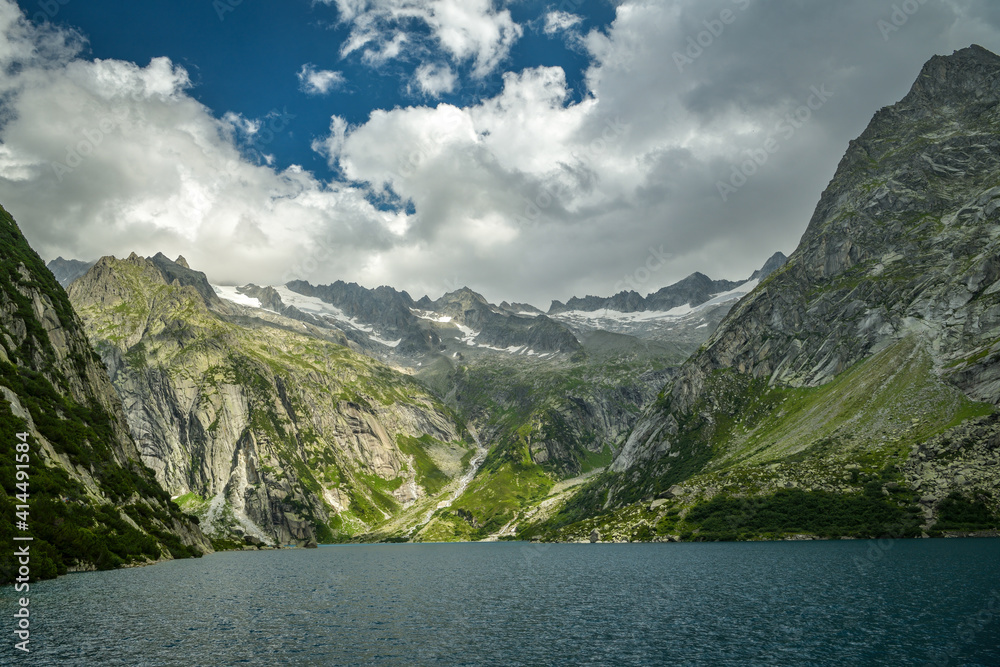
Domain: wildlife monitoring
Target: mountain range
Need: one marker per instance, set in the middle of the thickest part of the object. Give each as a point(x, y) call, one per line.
point(198, 368)
point(848, 390)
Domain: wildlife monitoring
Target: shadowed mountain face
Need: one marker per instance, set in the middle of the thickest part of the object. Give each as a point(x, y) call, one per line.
point(876, 346)
point(68, 270)
point(93, 502)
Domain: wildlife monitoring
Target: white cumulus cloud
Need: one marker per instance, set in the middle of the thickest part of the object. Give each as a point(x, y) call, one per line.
point(107, 157)
point(434, 80)
point(559, 21)
point(318, 82)
point(465, 30)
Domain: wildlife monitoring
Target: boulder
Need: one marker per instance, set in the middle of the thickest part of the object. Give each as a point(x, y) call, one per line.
point(252, 541)
point(672, 492)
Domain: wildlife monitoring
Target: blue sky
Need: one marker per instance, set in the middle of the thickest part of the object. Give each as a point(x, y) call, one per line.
point(532, 151)
point(245, 57)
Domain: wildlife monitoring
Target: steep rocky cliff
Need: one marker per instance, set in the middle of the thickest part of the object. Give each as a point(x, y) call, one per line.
point(93, 504)
point(878, 338)
point(905, 242)
point(264, 425)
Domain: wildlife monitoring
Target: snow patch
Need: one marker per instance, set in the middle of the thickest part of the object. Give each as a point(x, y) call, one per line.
point(318, 308)
point(431, 316)
point(468, 335)
point(229, 293)
point(387, 343)
point(732, 295)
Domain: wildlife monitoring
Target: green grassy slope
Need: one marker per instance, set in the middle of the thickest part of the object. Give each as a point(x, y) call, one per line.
point(766, 450)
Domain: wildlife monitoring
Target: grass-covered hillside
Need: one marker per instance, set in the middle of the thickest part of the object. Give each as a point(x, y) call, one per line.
point(867, 454)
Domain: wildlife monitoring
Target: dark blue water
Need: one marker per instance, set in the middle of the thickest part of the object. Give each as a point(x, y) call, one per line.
point(824, 603)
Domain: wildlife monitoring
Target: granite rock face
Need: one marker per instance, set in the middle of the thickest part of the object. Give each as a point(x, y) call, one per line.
point(903, 246)
point(49, 368)
point(264, 424)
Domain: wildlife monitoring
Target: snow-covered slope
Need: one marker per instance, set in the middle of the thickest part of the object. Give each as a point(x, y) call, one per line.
point(659, 324)
point(232, 294)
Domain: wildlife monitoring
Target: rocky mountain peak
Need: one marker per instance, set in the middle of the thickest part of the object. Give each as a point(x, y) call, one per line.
point(156, 270)
point(775, 262)
point(463, 295)
point(903, 245)
point(180, 274)
point(970, 75)
point(68, 270)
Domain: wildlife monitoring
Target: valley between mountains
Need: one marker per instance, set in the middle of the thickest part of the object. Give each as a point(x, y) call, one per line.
point(848, 390)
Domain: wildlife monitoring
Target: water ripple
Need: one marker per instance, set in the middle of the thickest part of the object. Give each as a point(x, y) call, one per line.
point(924, 602)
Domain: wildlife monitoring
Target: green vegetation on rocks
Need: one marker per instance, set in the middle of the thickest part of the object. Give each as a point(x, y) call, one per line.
point(290, 435)
point(92, 503)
